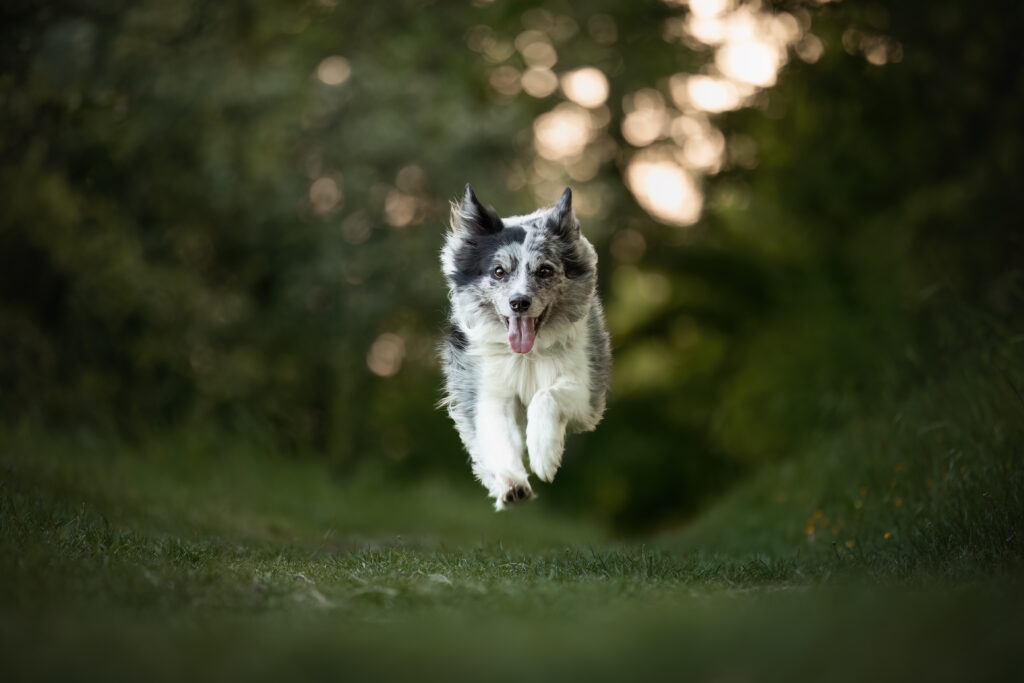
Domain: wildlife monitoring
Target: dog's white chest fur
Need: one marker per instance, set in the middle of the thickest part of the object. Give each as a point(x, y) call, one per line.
point(526, 374)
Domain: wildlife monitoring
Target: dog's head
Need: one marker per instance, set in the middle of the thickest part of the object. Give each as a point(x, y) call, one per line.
point(524, 278)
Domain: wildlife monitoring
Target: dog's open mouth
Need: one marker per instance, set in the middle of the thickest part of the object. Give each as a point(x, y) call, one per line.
point(522, 331)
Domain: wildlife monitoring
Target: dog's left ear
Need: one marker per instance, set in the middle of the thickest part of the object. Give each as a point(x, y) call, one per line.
point(472, 216)
point(562, 220)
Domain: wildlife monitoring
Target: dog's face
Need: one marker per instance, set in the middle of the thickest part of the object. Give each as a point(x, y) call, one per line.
point(526, 278)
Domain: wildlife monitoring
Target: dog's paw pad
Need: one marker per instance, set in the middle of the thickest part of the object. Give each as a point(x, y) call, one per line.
point(519, 493)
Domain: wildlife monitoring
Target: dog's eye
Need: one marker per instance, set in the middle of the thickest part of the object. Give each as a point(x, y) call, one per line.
point(545, 271)
point(498, 273)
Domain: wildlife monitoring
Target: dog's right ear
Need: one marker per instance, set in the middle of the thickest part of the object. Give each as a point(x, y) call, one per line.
point(473, 217)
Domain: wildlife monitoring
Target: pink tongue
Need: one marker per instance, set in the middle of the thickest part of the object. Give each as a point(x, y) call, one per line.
point(521, 333)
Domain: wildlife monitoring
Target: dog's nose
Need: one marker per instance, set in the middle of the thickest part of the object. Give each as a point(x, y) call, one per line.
point(519, 303)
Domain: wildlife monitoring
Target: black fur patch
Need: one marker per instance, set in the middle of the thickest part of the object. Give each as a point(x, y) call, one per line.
point(474, 257)
point(575, 266)
point(477, 218)
point(457, 338)
point(562, 221)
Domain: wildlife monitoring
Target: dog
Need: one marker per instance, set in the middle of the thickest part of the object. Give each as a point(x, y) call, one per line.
point(527, 356)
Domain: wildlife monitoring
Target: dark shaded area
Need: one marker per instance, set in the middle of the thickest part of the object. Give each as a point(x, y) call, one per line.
point(199, 233)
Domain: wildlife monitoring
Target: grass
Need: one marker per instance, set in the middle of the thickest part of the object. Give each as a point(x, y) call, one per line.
point(891, 550)
point(933, 488)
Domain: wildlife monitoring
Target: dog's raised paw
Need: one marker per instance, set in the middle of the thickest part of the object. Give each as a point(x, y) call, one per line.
point(517, 493)
point(545, 437)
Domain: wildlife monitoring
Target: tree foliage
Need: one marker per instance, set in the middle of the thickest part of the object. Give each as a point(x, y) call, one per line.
point(228, 215)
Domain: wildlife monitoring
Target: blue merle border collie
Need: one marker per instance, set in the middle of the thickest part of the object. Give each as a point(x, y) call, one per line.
point(527, 357)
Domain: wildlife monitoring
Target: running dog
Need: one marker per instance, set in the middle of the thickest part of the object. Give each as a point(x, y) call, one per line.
point(527, 357)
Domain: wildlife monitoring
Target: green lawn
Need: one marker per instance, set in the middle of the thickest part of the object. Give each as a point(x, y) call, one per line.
point(891, 550)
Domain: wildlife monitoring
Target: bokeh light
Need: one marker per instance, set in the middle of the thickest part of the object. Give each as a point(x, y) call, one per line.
point(334, 70)
point(701, 145)
point(810, 49)
point(646, 117)
point(753, 61)
point(539, 82)
point(324, 194)
point(385, 356)
point(664, 188)
point(707, 93)
point(506, 80)
point(540, 54)
point(562, 132)
point(536, 49)
point(400, 208)
point(587, 87)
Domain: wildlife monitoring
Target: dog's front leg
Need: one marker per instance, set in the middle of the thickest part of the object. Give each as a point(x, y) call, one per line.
point(498, 455)
point(546, 419)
